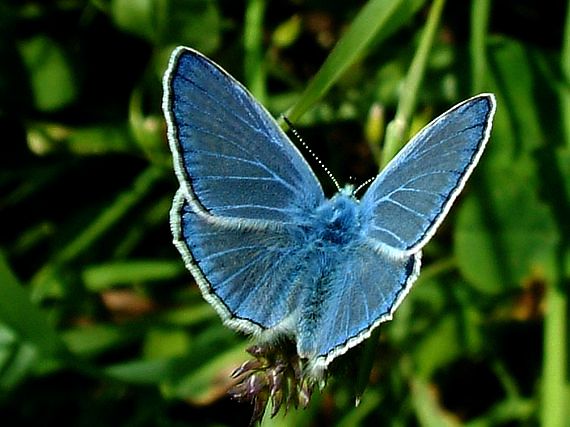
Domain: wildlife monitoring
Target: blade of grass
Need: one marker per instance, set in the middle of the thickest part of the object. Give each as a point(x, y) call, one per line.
point(255, 71)
point(565, 68)
point(146, 130)
point(358, 415)
point(427, 407)
point(374, 16)
point(479, 25)
point(397, 128)
point(27, 320)
point(104, 276)
point(43, 279)
point(554, 404)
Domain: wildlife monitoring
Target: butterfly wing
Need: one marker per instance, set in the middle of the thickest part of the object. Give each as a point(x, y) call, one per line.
point(230, 156)
point(409, 199)
point(364, 288)
point(243, 185)
point(246, 274)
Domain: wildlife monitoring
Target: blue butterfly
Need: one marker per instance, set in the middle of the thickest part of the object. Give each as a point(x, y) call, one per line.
point(269, 251)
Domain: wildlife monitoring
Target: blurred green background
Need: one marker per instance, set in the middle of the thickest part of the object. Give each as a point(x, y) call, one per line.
point(100, 324)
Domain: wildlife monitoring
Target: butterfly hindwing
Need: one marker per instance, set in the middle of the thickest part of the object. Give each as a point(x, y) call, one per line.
point(363, 288)
point(246, 274)
point(411, 196)
point(231, 157)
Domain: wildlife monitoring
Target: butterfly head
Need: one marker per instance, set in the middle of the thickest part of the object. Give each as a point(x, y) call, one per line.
point(347, 190)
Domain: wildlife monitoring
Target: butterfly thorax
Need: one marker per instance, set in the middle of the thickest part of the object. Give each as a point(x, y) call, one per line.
point(336, 220)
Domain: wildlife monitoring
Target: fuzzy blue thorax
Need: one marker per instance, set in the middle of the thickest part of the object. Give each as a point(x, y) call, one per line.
point(336, 220)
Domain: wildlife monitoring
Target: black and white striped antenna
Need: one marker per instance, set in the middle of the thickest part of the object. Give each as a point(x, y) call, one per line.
point(364, 184)
point(306, 147)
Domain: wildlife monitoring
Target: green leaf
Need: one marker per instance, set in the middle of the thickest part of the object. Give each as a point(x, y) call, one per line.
point(517, 124)
point(287, 32)
point(190, 315)
point(16, 361)
point(46, 280)
point(29, 322)
point(428, 410)
point(141, 371)
point(350, 48)
point(504, 233)
point(195, 23)
point(137, 17)
point(51, 74)
point(89, 341)
point(166, 343)
point(103, 138)
point(205, 382)
point(439, 347)
point(104, 276)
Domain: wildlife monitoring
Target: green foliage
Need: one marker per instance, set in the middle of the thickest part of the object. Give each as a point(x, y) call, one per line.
point(95, 305)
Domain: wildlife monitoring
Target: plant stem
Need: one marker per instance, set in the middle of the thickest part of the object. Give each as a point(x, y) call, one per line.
point(554, 363)
point(397, 128)
point(254, 64)
point(348, 49)
point(479, 26)
point(554, 375)
point(565, 68)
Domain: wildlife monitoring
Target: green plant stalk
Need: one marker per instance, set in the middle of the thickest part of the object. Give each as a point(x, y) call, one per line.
point(42, 280)
point(555, 396)
point(161, 9)
point(254, 64)
point(565, 87)
point(397, 128)
point(348, 49)
point(479, 27)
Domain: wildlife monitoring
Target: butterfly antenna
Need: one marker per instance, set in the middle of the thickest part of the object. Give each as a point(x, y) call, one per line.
point(364, 184)
point(306, 147)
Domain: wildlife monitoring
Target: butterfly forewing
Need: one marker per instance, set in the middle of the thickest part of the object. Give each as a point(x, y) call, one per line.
point(231, 157)
point(409, 199)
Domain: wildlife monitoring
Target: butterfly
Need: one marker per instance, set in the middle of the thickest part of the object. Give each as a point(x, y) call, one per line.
point(269, 251)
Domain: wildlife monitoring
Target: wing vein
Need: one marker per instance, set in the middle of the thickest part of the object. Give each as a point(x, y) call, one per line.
point(241, 148)
point(218, 103)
